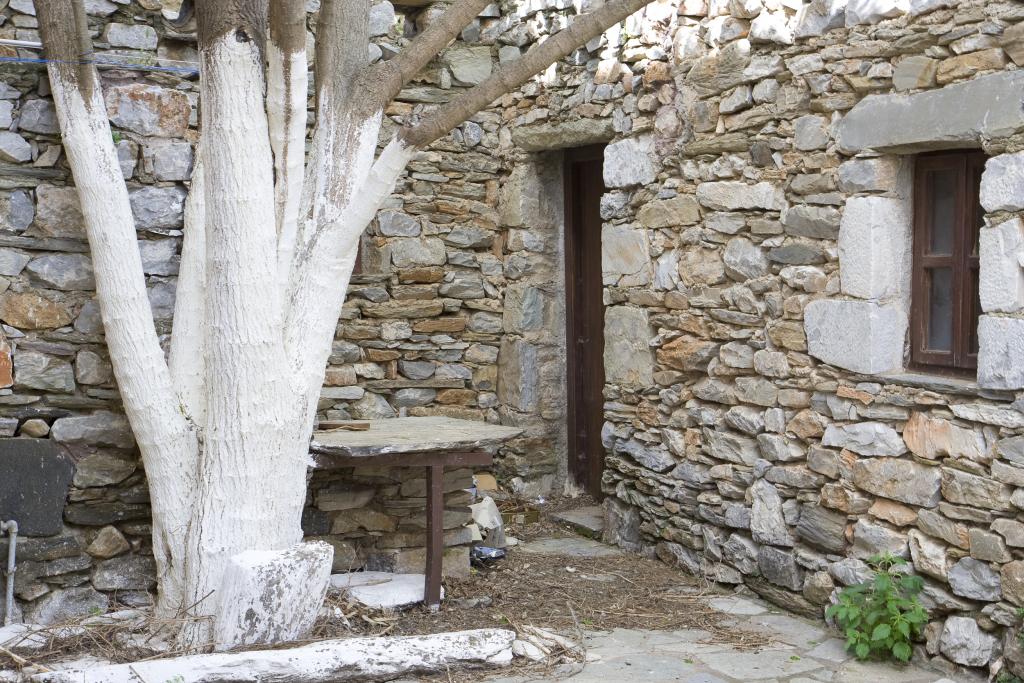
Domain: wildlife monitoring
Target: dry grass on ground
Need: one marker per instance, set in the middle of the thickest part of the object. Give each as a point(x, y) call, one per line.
point(564, 594)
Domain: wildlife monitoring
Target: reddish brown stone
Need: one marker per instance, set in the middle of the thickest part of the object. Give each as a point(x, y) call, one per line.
point(426, 274)
point(463, 397)
point(687, 353)
point(340, 376)
point(30, 311)
point(862, 396)
point(149, 109)
point(6, 366)
point(381, 355)
point(440, 325)
point(807, 424)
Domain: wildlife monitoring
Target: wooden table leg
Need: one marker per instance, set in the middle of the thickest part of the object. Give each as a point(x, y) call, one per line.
point(435, 535)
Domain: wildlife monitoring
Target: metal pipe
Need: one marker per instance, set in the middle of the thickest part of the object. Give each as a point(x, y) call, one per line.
point(29, 44)
point(11, 528)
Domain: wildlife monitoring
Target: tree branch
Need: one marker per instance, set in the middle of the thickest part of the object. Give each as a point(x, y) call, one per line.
point(342, 47)
point(169, 444)
point(188, 339)
point(287, 82)
point(396, 72)
point(513, 74)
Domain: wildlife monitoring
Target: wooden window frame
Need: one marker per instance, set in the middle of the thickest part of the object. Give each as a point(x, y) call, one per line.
point(963, 261)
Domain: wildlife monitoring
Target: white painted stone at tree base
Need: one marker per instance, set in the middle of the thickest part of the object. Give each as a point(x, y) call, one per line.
point(271, 596)
point(357, 659)
point(382, 590)
point(874, 248)
point(1000, 352)
point(1002, 183)
point(862, 336)
point(630, 162)
point(1001, 278)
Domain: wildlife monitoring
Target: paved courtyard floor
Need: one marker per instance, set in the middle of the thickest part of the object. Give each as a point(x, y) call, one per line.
point(804, 652)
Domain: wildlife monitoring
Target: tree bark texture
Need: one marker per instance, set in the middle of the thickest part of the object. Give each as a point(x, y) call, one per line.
point(271, 236)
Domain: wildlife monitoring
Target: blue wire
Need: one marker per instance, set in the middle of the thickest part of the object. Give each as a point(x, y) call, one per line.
point(141, 67)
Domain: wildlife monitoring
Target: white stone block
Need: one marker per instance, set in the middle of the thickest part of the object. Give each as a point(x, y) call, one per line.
point(862, 336)
point(382, 590)
point(630, 162)
point(875, 248)
point(272, 596)
point(625, 256)
point(1000, 352)
point(627, 351)
point(1001, 279)
point(735, 195)
point(1002, 183)
point(874, 11)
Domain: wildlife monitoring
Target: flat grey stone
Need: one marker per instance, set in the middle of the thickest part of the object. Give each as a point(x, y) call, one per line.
point(832, 650)
point(863, 336)
point(630, 162)
point(759, 666)
point(957, 114)
point(588, 520)
point(573, 546)
point(788, 629)
point(737, 606)
point(35, 484)
point(408, 434)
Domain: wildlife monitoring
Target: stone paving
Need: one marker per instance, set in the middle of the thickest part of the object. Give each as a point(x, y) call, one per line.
point(804, 652)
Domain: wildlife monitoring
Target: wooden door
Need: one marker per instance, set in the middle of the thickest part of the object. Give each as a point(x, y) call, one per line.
point(584, 333)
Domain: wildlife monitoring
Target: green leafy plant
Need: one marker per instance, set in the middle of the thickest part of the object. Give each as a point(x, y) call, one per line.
point(881, 617)
point(1006, 677)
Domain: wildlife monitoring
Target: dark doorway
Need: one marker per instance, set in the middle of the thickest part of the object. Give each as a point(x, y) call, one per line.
point(584, 185)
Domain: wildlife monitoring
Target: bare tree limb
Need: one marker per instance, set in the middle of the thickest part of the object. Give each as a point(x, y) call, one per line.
point(188, 341)
point(342, 48)
point(167, 440)
point(513, 74)
point(287, 82)
point(246, 19)
point(396, 72)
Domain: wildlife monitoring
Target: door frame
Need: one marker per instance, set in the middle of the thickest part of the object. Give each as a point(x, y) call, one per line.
point(586, 463)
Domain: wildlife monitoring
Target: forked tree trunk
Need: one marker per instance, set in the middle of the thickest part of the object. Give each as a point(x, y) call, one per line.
point(270, 242)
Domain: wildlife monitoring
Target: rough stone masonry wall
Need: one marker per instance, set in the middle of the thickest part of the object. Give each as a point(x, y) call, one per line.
point(761, 427)
point(420, 334)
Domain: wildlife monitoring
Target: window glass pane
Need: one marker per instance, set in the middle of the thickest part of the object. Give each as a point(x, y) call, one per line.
point(940, 309)
point(942, 191)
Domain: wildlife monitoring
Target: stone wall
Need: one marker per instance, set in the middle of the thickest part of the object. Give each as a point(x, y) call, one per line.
point(760, 425)
point(766, 431)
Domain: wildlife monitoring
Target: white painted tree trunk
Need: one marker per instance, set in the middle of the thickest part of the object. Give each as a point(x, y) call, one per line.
point(270, 243)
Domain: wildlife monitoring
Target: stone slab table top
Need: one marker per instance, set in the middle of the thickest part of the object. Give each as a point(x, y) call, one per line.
point(412, 435)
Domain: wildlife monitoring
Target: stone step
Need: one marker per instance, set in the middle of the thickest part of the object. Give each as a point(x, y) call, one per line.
point(588, 521)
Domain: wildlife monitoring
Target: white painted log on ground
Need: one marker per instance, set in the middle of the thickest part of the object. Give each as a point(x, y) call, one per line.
point(355, 659)
point(272, 596)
